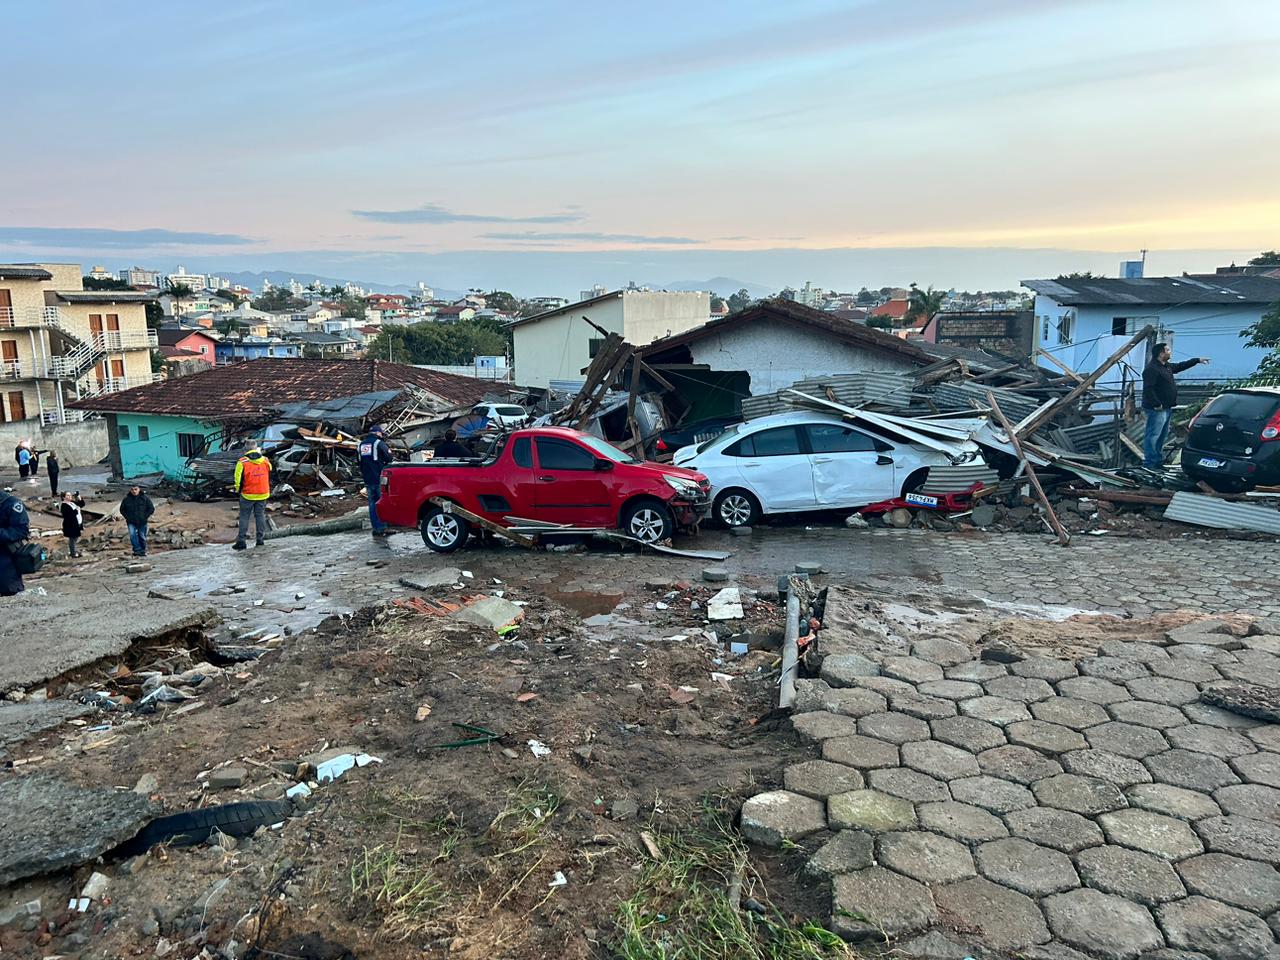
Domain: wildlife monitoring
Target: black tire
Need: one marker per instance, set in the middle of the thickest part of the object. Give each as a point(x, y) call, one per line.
point(443, 532)
point(196, 826)
point(649, 521)
point(741, 507)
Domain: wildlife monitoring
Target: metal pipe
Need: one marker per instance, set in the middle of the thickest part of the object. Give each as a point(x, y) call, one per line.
point(790, 648)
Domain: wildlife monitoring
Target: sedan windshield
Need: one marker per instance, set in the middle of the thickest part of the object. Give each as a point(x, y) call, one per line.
point(606, 449)
point(727, 431)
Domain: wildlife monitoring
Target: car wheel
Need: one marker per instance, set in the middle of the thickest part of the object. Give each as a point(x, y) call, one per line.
point(648, 521)
point(736, 508)
point(443, 532)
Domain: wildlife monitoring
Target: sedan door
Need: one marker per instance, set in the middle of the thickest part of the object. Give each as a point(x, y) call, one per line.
point(567, 486)
point(850, 468)
point(773, 464)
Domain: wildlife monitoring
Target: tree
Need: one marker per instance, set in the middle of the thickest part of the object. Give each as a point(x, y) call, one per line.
point(880, 323)
point(924, 303)
point(1268, 258)
point(155, 315)
point(179, 291)
point(865, 297)
point(275, 300)
point(740, 300)
point(501, 300)
point(717, 305)
point(437, 343)
point(1080, 275)
point(1266, 334)
point(106, 283)
point(351, 306)
point(235, 298)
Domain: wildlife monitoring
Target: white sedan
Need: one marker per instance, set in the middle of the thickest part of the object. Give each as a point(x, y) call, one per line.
point(791, 462)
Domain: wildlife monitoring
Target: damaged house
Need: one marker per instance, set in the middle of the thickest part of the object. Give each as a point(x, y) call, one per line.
point(768, 347)
point(160, 427)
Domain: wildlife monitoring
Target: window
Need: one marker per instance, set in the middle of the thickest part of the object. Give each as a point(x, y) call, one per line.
point(144, 433)
point(190, 444)
point(522, 452)
point(1117, 326)
point(122, 431)
point(1128, 326)
point(1067, 327)
point(1044, 333)
point(778, 442)
point(833, 438)
point(593, 346)
point(563, 455)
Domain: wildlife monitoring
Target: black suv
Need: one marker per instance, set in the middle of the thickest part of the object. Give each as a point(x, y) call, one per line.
point(1234, 442)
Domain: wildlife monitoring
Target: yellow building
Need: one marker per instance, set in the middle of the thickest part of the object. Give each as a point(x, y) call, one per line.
point(60, 342)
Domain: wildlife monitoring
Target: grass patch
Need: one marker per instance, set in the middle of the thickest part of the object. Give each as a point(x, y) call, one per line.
point(401, 886)
point(684, 906)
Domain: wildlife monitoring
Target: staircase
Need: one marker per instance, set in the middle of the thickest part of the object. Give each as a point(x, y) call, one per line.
point(82, 357)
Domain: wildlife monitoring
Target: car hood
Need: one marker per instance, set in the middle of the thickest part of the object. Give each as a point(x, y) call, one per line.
point(684, 455)
point(658, 470)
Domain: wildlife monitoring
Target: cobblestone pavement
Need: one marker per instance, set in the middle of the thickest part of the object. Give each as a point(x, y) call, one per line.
point(1046, 809)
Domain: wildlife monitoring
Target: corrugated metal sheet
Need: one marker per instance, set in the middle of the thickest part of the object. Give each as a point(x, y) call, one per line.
point(969, 396)
point(880, 389)
point(950, 479)
point(1222, 514)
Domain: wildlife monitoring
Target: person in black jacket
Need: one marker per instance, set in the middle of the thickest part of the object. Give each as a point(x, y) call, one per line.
point(53, 468)
point(137, 508)
point(15, 526)
point(451, 449)
point(72, 521)
point(1159, 397)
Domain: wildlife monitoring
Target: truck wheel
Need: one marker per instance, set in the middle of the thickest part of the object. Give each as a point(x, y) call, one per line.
point(648, 521)
point(443, 532)
point(736, 508)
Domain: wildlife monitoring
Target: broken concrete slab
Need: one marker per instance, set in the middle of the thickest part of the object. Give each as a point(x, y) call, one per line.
point(431, 579)
point(35, 653)
point(492, 612)
point(1247, 699)
point(18, 721)
point(725, 605)
point(47, 824)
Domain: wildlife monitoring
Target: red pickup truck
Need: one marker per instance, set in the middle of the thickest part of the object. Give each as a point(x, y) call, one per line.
point(545, 473)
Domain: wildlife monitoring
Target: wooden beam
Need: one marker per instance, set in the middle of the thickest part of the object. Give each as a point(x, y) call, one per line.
point(603, 388)
point(1040, 351)
point(448, 506)
point(1064, 538)
point(1083, 386)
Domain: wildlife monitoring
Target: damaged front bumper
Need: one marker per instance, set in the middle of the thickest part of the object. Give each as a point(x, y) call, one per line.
point(688, 510)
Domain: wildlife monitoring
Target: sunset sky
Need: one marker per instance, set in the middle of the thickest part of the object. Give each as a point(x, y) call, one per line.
point(445, 137)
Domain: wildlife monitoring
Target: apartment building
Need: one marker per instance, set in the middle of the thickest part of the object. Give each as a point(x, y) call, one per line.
point(138, 277)
point(60, 342)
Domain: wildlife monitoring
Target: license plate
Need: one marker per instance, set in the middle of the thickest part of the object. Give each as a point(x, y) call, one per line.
point(1211, 462)
point(921, 500)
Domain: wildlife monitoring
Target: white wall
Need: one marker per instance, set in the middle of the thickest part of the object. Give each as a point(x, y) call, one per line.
point(649, 315)
point(77, 444)
point(777, 354)
point(558, 347)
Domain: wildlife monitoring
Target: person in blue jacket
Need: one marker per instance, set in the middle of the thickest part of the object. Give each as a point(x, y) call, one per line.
point(15, 527)
point(374, 455)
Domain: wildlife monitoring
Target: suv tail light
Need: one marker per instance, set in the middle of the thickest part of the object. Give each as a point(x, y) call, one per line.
point(1272, 429)
point(661, 444)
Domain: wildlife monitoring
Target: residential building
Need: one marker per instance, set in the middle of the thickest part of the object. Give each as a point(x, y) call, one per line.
point(766, 348)
point(387, 301)
point(196, 281)
point(140, 278)
point(425, 292)
point(893, 310)
point(594, 293)
point(1083, 322)
point(1006, 333)
point(180, 362)
point(101, 273)
point(255, 347)
point(559, 344)
point(59, 342)
point(455, 313)
point(158, 428)
point(325, 344)
point(193, 340)
point(548, 303)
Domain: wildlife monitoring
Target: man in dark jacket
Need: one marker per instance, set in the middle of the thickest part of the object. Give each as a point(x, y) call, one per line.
point(451, 449)
point(374, 455)
point(1159, 397)
point(54, 468)
point(137, 508)
point(14, 528)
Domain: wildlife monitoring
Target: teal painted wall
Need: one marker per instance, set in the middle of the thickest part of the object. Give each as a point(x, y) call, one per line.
point(159, 452)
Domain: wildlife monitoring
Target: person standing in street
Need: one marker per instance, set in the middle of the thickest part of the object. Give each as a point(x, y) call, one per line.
point(253, 483)
point(137, 508)
point(24, 461)
point(375, 454)
point(1159, 397)
point(451, 449)
point(54, 468)
point(72, 521)
point(15, 527)
point(35, 463)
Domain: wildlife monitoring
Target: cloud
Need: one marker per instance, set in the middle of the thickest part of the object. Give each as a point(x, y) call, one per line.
point(434, 213)
point(79, 237)
point(533, 236)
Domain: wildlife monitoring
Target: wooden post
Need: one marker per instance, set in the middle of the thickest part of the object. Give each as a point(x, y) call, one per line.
point(1083, 386)
point(1060, 365)
point(1064, 538)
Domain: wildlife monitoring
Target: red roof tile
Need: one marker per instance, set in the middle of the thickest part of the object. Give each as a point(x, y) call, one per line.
point(246, 391)
point(893, 309)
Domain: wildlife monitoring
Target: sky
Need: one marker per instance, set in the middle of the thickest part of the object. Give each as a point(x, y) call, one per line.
point(547, 146)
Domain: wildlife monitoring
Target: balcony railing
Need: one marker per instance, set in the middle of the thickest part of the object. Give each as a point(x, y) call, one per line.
point(13, 318)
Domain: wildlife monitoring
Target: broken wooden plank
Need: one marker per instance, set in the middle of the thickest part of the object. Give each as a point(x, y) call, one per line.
point(1064, 538)
point(1060, 365)
point(448, 506)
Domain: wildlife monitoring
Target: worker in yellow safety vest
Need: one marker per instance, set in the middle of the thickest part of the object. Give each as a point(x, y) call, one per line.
point(253, 483)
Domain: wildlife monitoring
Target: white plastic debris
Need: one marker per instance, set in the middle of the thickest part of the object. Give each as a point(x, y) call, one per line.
point(558, 880)
point(298, 790)
point(335, 767)
point(539, 749)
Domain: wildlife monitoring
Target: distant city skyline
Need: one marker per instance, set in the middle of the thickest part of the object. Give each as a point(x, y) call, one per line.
point(459, 143)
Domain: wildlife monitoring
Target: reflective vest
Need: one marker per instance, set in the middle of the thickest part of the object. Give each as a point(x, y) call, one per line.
point(253, 478)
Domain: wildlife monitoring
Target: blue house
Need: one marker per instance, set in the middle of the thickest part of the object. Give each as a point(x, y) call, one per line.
point(256, 348)
point(1082, 322)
